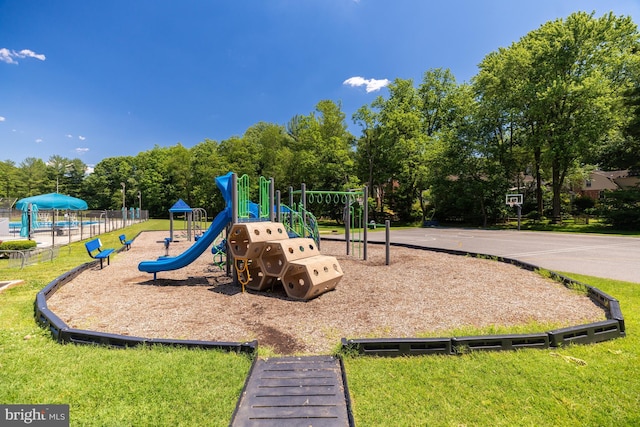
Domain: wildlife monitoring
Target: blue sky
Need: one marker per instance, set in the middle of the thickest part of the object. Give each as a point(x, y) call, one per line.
point(90, 80)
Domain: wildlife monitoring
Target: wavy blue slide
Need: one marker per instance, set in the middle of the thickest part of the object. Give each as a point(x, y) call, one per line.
point(187, 257)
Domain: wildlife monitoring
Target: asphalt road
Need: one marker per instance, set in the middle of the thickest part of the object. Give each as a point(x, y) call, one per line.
point(614, 257)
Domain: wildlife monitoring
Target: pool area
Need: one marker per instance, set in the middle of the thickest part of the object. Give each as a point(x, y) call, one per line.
point(14, 226)
point(67, 228)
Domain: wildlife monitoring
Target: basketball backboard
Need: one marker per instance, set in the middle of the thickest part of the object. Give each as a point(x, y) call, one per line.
point(513, 200)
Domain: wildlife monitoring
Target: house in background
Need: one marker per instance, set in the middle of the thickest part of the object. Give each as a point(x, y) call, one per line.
point(601, 181)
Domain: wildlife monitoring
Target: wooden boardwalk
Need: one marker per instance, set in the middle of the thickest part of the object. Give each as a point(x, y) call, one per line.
point(294, 391)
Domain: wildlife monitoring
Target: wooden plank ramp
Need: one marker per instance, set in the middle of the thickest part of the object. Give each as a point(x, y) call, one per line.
point(294, 391)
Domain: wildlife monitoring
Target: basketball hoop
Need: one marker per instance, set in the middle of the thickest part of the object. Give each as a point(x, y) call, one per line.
point(513, 200)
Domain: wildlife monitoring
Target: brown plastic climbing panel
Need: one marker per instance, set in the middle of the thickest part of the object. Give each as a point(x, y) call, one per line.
point(309, 277)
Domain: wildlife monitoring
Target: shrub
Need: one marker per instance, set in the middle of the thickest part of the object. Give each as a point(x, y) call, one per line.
point(581, 204)
point(533, 215)
point(621, 208)
point(17, 245)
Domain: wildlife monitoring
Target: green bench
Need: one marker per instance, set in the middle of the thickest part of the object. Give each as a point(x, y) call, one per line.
point(94, 248)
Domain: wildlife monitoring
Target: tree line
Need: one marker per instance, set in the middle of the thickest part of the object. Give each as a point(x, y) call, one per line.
point(539, 115)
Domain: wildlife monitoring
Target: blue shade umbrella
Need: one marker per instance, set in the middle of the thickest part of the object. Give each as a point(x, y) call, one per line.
point(50, 201)
point(53, 201)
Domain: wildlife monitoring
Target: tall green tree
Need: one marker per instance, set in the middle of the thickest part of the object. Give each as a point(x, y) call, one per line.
point(207, 164)
point(102, 188)
point(150, 170)
point(303, 163)
point(437, 95)
point(467, 180)
point(241, 155)
point(621, 151)
point(401, 131)
point(65, 174)
point(75, 176)
point(33, 177)
point(446, 109)
point(179, 178)
point(334, 149)
point(274, 152)
point(404, 137)
point(321, 148)
point(370, 158)
point(9, 179)
point(566, 82)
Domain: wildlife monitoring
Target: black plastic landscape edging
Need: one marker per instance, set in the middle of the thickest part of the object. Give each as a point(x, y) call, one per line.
point(611, 328)
point(63, 334)
point(589, 333)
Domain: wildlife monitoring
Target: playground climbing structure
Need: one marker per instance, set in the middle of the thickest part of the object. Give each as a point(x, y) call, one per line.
point(264, 254)
point(354, 213)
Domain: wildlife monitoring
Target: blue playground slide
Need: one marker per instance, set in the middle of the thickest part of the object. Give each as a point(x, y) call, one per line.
point(201, 245)
point(194, 251)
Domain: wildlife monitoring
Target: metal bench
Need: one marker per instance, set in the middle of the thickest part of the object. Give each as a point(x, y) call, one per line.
point(94, 248)
point(125, 242)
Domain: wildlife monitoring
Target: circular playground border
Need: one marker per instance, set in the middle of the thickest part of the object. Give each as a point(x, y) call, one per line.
point(589, 333)
point(594, 332)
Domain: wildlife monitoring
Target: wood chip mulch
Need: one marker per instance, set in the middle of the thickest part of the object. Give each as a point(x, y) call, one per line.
point(420, 293)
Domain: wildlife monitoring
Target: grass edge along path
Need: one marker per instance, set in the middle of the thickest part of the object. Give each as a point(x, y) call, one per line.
point(593, 384)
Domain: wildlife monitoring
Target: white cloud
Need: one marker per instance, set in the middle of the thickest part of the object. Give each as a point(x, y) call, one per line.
point(2, 119)
point(81, 150)
point(6, 56)
point(371, 85)
point(81, 138)
point(31, 54)
point(39, 140)
point(69, 135)
point(10, 56)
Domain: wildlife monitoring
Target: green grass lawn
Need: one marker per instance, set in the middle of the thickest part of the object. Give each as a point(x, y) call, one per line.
point(580, 385)
point(595, 385)
point(140, 386)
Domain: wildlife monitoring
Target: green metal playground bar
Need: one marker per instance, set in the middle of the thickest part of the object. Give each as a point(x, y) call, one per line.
point(356, 217)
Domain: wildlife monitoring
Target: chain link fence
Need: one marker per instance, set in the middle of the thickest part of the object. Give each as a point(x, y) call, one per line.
point(57, 228)
point(21, 259)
